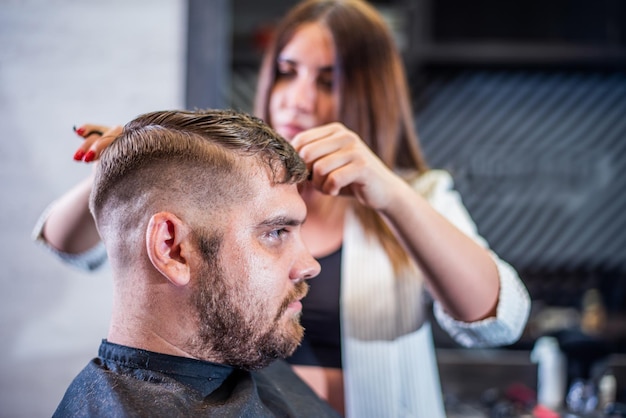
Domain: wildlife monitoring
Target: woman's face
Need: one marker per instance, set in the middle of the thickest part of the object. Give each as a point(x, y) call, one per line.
point(302, 97)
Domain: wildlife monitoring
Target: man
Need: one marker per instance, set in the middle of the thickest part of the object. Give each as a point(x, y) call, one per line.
point(200, 214)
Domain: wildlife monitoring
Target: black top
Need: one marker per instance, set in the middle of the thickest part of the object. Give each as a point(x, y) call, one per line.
point(321, 345)
point(128, 382)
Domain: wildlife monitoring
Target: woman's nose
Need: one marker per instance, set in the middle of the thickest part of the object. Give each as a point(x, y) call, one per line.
point(302, 95)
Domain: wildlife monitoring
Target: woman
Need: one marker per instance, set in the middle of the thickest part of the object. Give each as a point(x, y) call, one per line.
point(384, 227)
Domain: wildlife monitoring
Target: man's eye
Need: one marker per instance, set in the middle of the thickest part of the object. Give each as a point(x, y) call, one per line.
point(278, 233)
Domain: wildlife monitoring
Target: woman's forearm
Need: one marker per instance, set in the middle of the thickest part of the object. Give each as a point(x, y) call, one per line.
point(70, 228)
point(461, 274)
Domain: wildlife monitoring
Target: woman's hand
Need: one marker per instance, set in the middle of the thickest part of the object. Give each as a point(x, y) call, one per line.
point(97, 138)
point(341, 163)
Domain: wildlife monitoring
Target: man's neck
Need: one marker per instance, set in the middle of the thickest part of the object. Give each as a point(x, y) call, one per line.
point(146, 330)
point(146, 341)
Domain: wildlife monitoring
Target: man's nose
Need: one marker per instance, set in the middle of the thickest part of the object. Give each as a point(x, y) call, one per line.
point(307, 267)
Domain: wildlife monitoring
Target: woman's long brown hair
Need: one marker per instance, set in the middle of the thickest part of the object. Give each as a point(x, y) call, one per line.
point(370, 87)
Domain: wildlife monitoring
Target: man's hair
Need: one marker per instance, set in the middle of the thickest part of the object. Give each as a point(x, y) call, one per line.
point(183, 162)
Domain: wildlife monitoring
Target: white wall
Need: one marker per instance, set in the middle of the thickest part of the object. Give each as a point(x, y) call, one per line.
point(63, 63)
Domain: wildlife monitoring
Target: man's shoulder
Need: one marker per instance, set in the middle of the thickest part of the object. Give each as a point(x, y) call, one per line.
point(98, 391)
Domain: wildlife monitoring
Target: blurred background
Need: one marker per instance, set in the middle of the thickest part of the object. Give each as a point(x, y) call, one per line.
point(524, 102)
point(64, 63)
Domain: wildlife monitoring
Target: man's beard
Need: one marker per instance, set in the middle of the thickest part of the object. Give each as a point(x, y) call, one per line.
point(234, 327)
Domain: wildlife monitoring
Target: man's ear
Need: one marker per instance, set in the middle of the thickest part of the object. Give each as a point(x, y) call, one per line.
point(168, 245)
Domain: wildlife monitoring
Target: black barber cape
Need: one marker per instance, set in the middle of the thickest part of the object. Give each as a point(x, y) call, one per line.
point(128, 382)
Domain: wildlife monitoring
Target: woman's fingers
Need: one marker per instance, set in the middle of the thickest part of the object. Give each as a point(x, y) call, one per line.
point(315, 134)
point(96, 139)
point(88, 129)
point(342, 164)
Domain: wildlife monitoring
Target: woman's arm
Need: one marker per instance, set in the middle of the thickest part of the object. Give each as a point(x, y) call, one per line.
point(69, 227)
point(461, 274)
point(513, 307)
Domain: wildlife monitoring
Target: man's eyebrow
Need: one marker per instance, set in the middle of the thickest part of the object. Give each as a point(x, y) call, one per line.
point(281, 221)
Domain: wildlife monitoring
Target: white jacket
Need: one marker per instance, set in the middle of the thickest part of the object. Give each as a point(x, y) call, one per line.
point(389, 362)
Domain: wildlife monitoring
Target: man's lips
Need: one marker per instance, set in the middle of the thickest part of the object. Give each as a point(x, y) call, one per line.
point(296, 305)
point(302, 291)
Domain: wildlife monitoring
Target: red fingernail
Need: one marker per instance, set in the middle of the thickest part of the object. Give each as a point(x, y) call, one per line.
point(80, 131)
point(79, 155)
point(89, 156)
